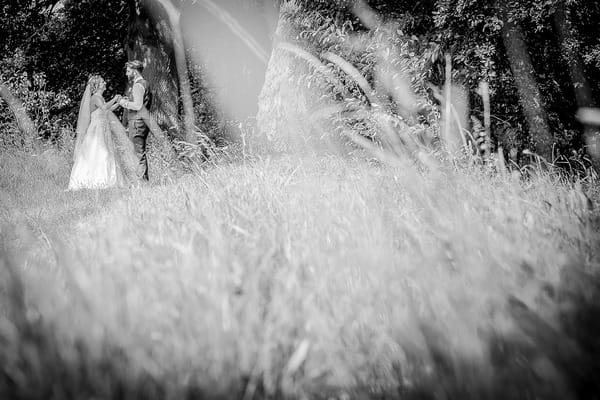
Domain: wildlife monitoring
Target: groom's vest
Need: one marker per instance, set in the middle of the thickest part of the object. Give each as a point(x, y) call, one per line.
point(131, 114)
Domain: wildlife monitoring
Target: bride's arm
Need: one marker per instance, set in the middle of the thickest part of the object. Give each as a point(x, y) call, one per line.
point(100, 103)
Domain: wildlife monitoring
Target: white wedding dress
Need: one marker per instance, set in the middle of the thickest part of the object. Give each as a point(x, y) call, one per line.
point(103, 154)
point(95, 164)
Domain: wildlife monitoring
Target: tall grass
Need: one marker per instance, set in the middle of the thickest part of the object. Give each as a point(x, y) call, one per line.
point(301, 278)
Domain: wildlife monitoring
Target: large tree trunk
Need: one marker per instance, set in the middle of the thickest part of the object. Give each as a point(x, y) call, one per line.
point(185, 90)
point(294, 104)
point(284, 103)
point(529, 93)
point(25, 123)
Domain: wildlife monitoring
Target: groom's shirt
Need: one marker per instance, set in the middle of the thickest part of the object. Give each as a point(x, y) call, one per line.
point(137, 94)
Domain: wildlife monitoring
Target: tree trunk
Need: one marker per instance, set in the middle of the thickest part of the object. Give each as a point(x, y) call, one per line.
point(25, 123)
point(283, 104)
point(185, 90)
point(569, 46)
point(295, 103)
point(529, 93)
point(571, 56)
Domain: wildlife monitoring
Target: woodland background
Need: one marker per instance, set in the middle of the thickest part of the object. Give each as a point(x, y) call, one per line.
point(541, 61)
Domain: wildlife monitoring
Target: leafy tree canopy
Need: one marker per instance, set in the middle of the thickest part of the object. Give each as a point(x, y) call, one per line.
point(67, 40)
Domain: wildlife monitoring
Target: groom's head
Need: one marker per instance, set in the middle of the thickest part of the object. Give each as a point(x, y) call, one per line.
point(133, 69)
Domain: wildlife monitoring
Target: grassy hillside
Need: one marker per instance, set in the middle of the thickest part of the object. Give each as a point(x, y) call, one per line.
point(298, 277)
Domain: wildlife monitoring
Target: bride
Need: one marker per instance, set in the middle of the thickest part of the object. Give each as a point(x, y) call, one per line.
point(103, 155)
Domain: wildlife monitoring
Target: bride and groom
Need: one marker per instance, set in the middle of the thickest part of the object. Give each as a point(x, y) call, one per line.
point(106, 154)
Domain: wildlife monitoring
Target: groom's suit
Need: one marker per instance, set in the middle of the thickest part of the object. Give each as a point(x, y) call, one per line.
point(137, 128)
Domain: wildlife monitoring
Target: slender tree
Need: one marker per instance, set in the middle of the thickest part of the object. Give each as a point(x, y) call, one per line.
point(524, 75)
point(569, 45)
point(25, 123)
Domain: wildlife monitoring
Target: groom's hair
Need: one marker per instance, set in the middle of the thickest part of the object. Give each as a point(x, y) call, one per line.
point(135, 64)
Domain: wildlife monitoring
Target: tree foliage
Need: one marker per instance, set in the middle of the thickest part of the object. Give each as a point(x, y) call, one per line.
point(563, 53)
point(472, 32)
point(51, 47)
point(65, 41)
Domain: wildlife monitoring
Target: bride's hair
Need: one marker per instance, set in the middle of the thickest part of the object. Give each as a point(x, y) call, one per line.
point(95, 82)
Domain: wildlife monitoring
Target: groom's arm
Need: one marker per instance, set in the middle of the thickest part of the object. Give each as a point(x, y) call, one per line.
point(138, 98)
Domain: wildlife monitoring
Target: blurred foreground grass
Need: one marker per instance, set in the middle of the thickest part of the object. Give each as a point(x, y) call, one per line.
point(298, 278)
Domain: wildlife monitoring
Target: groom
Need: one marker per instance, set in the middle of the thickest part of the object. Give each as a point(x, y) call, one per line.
point(135, 104)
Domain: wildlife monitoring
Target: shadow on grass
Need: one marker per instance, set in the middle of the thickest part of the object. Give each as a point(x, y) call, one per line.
point(540, 361)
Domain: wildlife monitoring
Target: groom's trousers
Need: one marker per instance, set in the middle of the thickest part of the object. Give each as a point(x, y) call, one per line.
point(138, 133)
